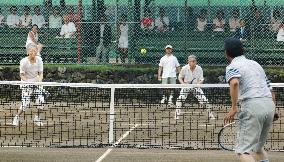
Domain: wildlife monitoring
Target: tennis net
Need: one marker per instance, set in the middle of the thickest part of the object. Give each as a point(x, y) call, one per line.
point(124, 115)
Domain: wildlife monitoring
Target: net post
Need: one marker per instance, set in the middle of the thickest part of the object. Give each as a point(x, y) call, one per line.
point(111, 116)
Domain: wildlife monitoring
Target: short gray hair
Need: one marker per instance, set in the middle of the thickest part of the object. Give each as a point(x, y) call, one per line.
point(31, 46)
point(192, 56)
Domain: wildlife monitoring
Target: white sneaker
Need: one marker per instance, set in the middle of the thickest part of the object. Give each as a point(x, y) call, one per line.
point(177, 114)
point(163, 101)
point(37, 121)
point(16, 120)
point(170, 100)
point(211, 115)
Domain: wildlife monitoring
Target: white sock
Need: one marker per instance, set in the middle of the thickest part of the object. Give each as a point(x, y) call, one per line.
point(177, 111)
point(36, 117)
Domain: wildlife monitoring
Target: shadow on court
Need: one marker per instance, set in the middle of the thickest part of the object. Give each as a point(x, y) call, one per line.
point(121, 155)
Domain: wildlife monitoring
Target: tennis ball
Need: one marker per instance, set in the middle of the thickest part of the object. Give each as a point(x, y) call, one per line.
point(143, 51)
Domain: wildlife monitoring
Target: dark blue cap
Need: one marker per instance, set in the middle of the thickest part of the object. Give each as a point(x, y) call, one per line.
point(234, 46)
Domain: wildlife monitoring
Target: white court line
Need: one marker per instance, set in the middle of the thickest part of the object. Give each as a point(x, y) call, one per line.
point(206, 125)
point(116, 143)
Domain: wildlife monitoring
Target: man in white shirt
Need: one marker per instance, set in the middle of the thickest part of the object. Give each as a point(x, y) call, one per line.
point(280, 35)
point(192, 74)
point(68, 29)
point(201, 21)
point(38, 18)
point(31, 70)
point(26, 19)
point(168, 69)
point(55, 20)
point(13, 20)
point(250, 88)
point(219, 22)
point(162, 22)
point(234, 21)
point(275, 22)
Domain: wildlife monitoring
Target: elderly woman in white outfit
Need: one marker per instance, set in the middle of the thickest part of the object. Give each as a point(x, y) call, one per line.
point(31, 70)
point(192, 74)
point(33, 39)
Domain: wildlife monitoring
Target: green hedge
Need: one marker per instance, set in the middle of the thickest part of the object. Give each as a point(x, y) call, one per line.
point(211, 73)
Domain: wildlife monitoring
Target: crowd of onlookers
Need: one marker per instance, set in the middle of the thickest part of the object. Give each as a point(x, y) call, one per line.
point(252, 22)
point(55, 20)
point(241, 26)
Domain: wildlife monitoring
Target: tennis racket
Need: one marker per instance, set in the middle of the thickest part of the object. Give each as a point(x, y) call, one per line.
point(227, 136)
point(191, 82)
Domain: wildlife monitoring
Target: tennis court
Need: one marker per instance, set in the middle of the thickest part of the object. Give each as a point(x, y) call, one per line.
point(121, 155)
point(79, 123)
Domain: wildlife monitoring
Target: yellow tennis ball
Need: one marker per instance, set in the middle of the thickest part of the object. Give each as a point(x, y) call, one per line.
point(143, 51)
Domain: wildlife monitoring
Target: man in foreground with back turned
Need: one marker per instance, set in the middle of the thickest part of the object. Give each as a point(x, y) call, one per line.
point(250, 86)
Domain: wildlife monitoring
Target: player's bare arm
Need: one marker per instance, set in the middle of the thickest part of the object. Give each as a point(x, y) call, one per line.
point(178, 69)
point(181, 80)
point(234, 90)
point(32, 38)
point(23, 77)
point(200, 82)
point(40, 76)
point(160, 73)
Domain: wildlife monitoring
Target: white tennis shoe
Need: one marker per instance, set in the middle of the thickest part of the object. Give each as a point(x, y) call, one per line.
point(37, 121)
point(211, 115)
point(16, 120)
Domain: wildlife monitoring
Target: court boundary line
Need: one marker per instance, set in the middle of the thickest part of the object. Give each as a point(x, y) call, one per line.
point(105, 154)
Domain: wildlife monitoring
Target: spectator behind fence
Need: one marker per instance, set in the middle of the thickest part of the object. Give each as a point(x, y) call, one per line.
point(275, 21)
point(162, 22)
point(242, 32)
point(103, 32)
point(33, 39)
point(73, 17)
point(147, 22)
point(38, 18)
point(55, 20)
point(257, 23)
point(201, 21)
point(123, 39)
point(219, 22)
point(68, 29)
point(280, 35)
point(13, 20)
point(1, 18)
point(26, 18)
point(234, 21)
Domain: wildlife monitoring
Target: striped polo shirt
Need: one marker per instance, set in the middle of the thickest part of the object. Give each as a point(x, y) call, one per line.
point(252, 79)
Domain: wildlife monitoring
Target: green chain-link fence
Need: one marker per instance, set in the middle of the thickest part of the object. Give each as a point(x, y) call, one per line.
point(136, 31)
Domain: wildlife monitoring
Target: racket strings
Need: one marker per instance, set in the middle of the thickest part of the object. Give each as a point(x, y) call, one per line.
point(229, 136)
